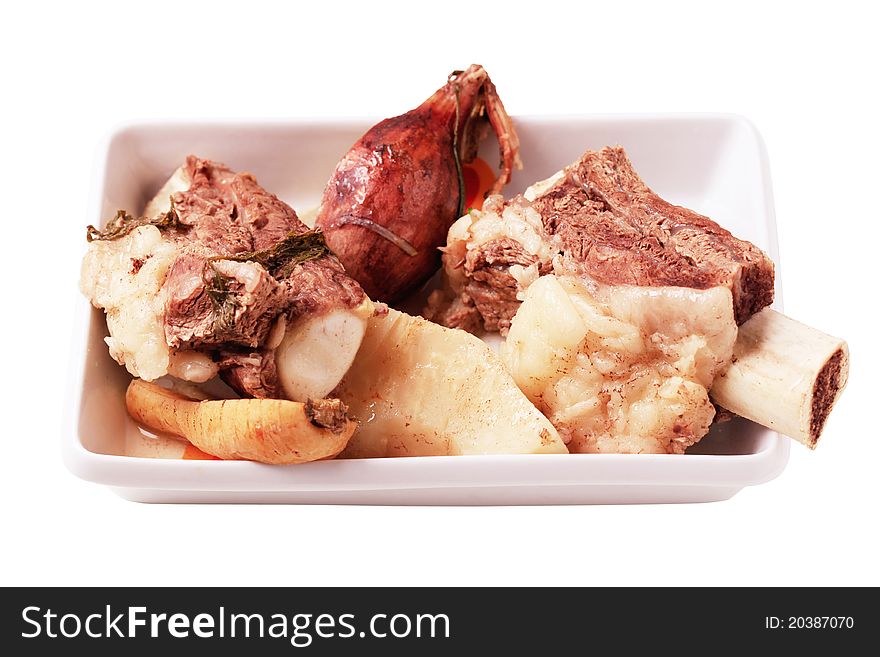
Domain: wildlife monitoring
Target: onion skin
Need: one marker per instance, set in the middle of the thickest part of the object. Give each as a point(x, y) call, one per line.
point(402, 175)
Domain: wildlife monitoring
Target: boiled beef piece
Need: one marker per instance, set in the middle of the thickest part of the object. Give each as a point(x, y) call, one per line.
point(247, 265)
point(595, 218)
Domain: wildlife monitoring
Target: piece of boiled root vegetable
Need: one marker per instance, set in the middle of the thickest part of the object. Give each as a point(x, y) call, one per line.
point(266, 430)
point(316, 352)
point(419, 389)
point(393, 196)
point(785, 375)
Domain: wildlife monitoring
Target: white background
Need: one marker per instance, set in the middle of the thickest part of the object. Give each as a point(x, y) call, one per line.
point(806, 75)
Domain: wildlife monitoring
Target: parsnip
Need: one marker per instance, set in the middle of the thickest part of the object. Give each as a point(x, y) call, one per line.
point(423, 390)
point(266, 430)
point(316, 352)
point(785, 375)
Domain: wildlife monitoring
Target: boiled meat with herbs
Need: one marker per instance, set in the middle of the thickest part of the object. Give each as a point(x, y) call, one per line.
point(222, 275)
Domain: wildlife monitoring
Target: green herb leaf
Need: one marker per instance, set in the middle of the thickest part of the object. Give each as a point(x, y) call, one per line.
point(280, 258)
point(224, 302)
point(123, 223)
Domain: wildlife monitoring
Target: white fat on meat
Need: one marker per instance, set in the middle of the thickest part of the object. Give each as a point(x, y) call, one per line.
point(193, 366)
point(621, 369)
point(518, 222)
point(125, 277)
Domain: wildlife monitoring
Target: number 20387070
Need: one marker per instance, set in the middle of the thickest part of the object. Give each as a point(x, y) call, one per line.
point(809, 622)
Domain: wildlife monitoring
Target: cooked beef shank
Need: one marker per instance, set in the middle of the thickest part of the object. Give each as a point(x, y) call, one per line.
point(595, 218)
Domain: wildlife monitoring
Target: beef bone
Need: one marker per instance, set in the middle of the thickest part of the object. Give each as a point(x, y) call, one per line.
point(599, 220)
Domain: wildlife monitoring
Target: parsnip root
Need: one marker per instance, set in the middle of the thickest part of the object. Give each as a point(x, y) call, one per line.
point(423, 390)
point(785, 376)
point(267, 430)
point(316, 352)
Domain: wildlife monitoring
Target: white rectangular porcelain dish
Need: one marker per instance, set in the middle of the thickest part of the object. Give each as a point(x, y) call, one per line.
point(715, 164)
